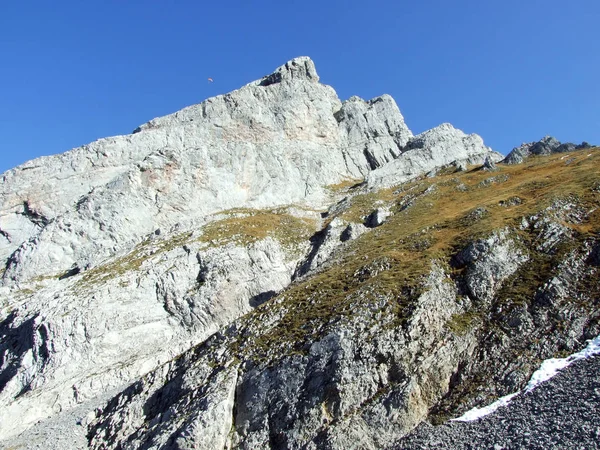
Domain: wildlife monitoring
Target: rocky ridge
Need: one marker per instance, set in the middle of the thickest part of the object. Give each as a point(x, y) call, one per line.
point(125, 252)
point(363, 313)
point(545, 146)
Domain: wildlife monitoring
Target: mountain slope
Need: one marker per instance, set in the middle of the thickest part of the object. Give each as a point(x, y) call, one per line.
point(474, 279)
point(126, 252)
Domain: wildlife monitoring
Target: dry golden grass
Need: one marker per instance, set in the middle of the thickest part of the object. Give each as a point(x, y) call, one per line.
point(433, 228)
point(131, 261)
point(248, 226)
point(344, 185)
point(241, 226)
point(363, 204)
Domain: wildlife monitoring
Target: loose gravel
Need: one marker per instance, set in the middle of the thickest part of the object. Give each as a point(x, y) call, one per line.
point(562, 413)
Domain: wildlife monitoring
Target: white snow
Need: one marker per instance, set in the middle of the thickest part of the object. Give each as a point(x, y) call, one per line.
point(550, 367)
point(547, 370)
point(477, 413)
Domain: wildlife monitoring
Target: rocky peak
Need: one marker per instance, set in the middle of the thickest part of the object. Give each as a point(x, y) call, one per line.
point(93, 296)
point(300, 68)
point(545, 146)
point(374, 131)
point(438, 147)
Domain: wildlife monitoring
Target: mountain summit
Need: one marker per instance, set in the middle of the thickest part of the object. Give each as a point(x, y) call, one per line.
point(274, 267)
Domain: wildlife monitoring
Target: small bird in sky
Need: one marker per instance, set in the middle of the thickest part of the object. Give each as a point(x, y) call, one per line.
point(210, 80)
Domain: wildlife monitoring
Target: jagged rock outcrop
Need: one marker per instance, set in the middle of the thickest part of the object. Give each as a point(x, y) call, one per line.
point(337, 395)
point(546, 146)
point(438, 147)
point(489, 164)
point(489, 262)
point(377, 217)
point(374, 130)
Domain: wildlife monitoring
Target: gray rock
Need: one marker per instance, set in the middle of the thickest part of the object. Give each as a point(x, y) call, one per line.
point(489, 164)
point(432, 149)
point(353, 231)
point(565, 148)
point(512, 201)
point(518, 154)
point(545, 146)
point(374, 131)
point(493, 180)
point(377, 217)
point(475, 215)
point(489, 263)
point(306, 398)
point(461, 166)
point(175, 299)
point(324, 244)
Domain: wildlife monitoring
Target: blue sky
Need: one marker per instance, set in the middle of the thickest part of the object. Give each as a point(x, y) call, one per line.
point(511, 71)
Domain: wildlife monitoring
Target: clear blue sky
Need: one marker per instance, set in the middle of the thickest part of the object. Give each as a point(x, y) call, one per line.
point(511, 71)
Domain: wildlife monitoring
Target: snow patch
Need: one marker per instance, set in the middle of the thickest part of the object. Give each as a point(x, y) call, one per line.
point(477, 413)
point(547, 370)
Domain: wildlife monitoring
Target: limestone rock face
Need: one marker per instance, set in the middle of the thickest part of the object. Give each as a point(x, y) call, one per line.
point(375, 131)
point(306, 399)
point(490, 261)
point(264, 145)
point(71, 342)
point(489, 164)
point(126, 252)
point(432, 149)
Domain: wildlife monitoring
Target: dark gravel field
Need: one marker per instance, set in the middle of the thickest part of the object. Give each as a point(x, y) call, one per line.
point(562, 413)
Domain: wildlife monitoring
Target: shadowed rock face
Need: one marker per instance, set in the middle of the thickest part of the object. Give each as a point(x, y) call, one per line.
point(131, 261)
